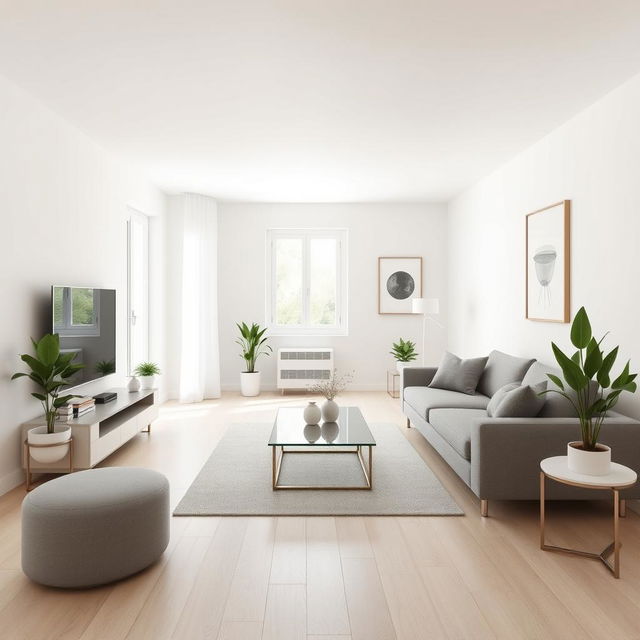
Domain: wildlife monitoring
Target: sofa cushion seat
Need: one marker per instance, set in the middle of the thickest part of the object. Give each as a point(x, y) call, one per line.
point(423, 399)
point(454, 425)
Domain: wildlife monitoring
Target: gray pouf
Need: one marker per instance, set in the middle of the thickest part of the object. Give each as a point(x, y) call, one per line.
point(93, 527)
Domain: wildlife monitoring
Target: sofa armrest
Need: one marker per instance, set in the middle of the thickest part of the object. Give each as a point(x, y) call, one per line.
point(506, 452)
point(415, 377)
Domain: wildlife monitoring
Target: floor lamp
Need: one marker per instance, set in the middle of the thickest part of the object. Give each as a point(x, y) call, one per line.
point(426, 307)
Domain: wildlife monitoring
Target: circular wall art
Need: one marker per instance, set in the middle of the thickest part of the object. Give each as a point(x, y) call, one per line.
point(400, 285)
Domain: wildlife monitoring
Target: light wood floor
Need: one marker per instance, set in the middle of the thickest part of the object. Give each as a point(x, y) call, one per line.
point(334, 578)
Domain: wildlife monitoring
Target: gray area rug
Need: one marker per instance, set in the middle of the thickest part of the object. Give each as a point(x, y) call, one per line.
point(236, 480)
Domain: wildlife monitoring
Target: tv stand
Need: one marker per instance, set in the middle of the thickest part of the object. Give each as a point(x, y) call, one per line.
point(97, 434)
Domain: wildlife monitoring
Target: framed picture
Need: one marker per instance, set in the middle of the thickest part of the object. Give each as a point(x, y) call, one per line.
point(548, 263)
point(399, 281)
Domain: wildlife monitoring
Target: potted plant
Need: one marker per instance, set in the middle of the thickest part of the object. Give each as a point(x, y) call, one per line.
point(404, 352)
point(330, 388)
point(254, 344)
point(147, 372)
point(50, 370)
point(591, 392)
point(105, 367)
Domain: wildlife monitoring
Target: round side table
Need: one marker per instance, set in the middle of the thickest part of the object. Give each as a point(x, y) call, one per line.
point(620, 477)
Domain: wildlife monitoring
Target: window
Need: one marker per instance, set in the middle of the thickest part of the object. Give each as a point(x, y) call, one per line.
point(307, 281)
point(76, 311)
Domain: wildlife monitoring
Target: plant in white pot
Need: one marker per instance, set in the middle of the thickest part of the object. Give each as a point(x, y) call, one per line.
point(592, 393)
point(254, 344)
point(51, 371)
point(147, 372)
point(330, 388)
point(404, 352)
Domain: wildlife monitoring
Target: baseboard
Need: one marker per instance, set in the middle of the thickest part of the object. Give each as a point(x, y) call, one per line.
point(634, 504)
point(11, 481)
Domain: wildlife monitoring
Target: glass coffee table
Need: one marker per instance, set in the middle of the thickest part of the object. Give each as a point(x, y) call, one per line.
point(349, 435)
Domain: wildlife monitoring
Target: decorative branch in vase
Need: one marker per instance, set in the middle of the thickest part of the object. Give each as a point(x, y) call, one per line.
point(330, 388)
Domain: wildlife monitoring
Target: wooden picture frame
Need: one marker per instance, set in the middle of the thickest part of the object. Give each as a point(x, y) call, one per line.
point(399, 281)
point(548, 263)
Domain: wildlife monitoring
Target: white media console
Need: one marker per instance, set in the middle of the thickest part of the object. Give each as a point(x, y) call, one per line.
point(99, 433)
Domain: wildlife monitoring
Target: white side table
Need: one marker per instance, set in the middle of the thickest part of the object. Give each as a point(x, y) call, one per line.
point(620, 477)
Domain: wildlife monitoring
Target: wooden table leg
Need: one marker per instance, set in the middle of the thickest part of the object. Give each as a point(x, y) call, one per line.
point(542, 477)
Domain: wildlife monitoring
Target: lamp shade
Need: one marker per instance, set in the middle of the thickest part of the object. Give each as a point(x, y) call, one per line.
point(425, 306)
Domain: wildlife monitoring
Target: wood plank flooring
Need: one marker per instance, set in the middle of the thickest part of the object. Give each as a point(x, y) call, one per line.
point(335, 578)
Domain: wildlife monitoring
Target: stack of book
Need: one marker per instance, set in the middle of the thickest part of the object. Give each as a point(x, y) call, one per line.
point(80, 406)
point(65, 413)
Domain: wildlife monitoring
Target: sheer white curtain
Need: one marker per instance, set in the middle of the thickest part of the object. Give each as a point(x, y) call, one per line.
point(199, 352)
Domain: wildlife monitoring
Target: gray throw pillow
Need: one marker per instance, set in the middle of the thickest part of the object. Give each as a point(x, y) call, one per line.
point(517, 401)
point(455, 374)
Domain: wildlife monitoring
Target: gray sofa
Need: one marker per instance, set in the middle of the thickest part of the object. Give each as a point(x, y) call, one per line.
point(499, 458)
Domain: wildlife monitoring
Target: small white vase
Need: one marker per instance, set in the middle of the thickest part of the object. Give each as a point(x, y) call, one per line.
point(589, 463)
point(250, 383)
point(134, 384)
point(48, 455)
point(147, 382)
point(312, 413)
point(401, 365)
point(330, 411)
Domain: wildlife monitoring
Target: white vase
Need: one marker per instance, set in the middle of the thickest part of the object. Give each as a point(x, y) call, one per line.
point(48, 455)
point(250, 383)
point(589, 463)
point(312, 413)
point(147, 382)
point(134, 384)
point(401, 365)
point(330, 411)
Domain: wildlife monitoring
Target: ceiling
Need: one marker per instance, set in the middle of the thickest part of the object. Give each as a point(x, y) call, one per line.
point(318, 101)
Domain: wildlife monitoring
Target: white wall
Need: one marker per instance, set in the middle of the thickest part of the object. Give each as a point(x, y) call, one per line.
point(593, 161)
point(63, 208)
point(374, 230)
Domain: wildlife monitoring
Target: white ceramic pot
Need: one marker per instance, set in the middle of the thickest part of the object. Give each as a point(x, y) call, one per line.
point(589, 463)
point(312, 432)
point(48, 455)
point(134, 384)
point(330, 411)
point(401, 365)
point(312, 413)
point(147, 382)
point(250, 383)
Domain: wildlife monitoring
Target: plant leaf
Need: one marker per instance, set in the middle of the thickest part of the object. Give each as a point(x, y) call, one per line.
point(603, 375)
point(556, 380)
point(48, 349)
point(593, 361)
point(621, 380)
point(572, 373)
point(581, 329)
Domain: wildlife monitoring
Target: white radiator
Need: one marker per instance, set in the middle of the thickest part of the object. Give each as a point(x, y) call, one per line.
point(300, 367)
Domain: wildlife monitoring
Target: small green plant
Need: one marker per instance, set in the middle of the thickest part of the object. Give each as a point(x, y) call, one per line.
point(404, 350)
point(105, 367)
point(50, 370)
point(587, 372)
point(253, 343)
point(147, 369)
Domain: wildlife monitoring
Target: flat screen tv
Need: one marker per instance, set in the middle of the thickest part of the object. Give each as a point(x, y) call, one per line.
point(85, 320)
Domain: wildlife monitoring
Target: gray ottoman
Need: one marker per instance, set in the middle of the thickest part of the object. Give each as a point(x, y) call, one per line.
point(96, 526)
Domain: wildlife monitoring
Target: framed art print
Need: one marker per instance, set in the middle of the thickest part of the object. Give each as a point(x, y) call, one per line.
point(548, 252)
point(399, 281)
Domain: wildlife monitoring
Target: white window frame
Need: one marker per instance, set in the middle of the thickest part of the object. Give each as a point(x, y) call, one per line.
point(341, 328)
point(69, 330)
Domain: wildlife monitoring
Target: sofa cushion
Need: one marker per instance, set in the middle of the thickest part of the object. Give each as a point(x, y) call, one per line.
point(424, 399)
point(456, 374)
point(454, 425)
point(555, 405)
point(502, 369)
point(517, 401)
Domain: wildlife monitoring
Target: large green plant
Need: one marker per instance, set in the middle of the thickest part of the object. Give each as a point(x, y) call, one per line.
point(587, 373)
point(253, 344)
point(50, 370)
point(404, 350)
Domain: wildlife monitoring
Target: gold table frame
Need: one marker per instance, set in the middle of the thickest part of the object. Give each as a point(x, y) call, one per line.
point(619, 511)
point(276, 466)
point(29, 445)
